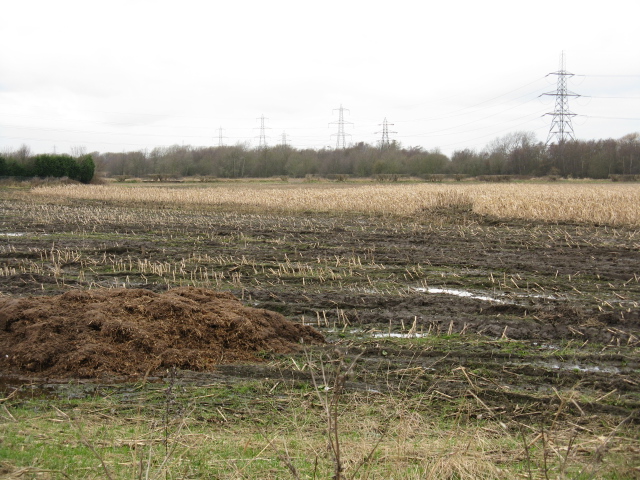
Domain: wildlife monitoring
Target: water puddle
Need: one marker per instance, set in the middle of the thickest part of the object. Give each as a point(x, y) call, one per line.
point(24, 388)
point(507, 298)
point(585, 368)
point(545, 346)
point(459, 293)
point(396, 335)
point(380, 334)
point(574, 367)
point(21, 234)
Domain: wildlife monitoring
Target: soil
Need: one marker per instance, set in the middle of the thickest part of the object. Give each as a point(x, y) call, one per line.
point(506, 311)
point(138, 332)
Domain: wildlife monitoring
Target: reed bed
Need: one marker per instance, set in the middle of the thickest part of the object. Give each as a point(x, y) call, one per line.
point(605, 204)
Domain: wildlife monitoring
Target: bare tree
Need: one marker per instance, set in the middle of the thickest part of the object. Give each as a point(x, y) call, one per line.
point(78, 151)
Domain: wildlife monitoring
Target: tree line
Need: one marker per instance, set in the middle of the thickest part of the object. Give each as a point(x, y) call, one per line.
point(513, 154)
point(21, 164)
point(517, 153)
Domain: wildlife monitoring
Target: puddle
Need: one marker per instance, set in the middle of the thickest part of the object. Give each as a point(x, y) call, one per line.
point(545, 346)
point(395, 335)
point(485, 296)
point(574, 367)
point(580, 368)
point(21, 234)
point(380, 334)
point(23, 388)
point(459, 293)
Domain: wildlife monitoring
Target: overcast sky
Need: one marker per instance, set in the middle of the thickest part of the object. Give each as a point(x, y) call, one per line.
point(138, 74)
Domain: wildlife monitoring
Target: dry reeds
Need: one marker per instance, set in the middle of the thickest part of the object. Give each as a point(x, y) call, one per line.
point(606, 204)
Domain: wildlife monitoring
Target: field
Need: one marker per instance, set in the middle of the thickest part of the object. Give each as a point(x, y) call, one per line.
point(472, 330)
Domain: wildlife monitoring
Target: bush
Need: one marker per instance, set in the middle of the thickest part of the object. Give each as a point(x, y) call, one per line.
point(434, 178)
point(57, 166)
point(624, 178)
point(495, 178)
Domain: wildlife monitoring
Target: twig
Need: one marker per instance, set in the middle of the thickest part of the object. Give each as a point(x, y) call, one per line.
point(605, 395)
point(569, 446)
point(366, 459)
point(526, 451)
point(8, 413)
point(544, 452)
point(331, 402)
point(287, 461)
point(260, 452)
point(11, 395)
point(85, 442)
point(599, 453)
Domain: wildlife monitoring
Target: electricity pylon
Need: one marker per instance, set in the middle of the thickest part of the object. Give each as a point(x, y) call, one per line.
point(385, 142)
point(262, 142)
point(340, 141)
point(561, 128)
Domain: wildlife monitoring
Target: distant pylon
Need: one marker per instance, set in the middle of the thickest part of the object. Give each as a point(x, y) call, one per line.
point(262, 142)
point(385, 142)
point(341, 140)
point(561, 128)
point(284, 140)
point(220, 137)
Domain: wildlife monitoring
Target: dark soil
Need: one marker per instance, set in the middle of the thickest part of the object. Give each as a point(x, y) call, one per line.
point(137, 332)
point(510, 311)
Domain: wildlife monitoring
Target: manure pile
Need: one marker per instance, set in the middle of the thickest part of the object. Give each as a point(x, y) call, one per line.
point(129, 332)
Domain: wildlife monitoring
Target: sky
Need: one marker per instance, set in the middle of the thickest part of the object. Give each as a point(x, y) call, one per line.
point(134, 75)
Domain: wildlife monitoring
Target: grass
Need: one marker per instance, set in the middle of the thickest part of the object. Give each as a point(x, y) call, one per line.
point(447, 405)
point(261, 428)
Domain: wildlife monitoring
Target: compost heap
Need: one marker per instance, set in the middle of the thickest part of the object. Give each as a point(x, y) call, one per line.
point(127, 332)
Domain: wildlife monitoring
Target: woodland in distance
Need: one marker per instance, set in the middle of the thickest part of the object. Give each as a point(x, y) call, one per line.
point(515, 154)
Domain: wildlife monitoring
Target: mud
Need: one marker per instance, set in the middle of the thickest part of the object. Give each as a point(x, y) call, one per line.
point(506, 310)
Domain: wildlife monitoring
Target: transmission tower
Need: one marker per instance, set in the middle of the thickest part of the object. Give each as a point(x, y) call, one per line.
point(340, 141)
point(561, 128)
point(284, 140)
point(262, 142)
point(220, 137)
point(385, 142)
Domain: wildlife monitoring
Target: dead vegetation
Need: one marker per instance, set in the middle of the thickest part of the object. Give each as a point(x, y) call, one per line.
point(136, 332)
point(493, 348)
point(606, 204)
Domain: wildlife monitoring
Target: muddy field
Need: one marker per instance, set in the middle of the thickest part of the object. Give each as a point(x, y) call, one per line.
point(447, 302)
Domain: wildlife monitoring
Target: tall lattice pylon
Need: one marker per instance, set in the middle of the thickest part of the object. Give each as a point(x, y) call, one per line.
point(262, 142)
point(341, 135)
point(561, 129)
point(384, 141)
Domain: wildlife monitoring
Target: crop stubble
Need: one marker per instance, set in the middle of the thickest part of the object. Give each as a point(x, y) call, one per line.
point(553, 311)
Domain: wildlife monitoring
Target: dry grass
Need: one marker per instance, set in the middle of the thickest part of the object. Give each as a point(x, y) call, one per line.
point(244, 432)
point(606, 204)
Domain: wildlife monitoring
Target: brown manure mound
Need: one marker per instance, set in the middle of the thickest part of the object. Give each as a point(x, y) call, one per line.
point(136, 332)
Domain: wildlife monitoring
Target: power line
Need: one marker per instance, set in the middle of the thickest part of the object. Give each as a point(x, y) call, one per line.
point(561, 128)
point(610, 76)
point(600, 97)
point(438, 133)
point(462, 111)
point(611, 118)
